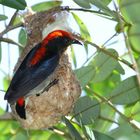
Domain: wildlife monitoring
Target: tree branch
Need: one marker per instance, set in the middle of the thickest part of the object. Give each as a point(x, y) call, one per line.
point(2, 90)
point(111, 55)
point(7, 40)
point(90, 11)
point(114, 108)
point(9, 28)
point(6, 116)
point(13, 18)
point(127, 44)
point(106, 52)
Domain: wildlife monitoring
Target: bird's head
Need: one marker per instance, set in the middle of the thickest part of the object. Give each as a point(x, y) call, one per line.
point(59, 40)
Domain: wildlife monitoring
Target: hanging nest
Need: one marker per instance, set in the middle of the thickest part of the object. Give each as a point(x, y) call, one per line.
point(47, 109)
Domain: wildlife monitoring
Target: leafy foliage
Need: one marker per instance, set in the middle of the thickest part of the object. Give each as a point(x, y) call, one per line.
point(17, 4)
point(125, 90)
point(86, 110)
point(45, 5)
point(130, 13)
point(98, 70)
point(3, 17)
point(83, 30)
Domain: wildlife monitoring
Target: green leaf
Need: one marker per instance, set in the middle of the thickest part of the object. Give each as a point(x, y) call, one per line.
point(86, 110)
point(16, 4)
point(110, 82)
point(88, 132)
point(22, 37)
point(85, 74)
point(135, 112)
point(120, 69)
point(56, 137)
point(45, 5)
point(128, 91)
point(83, 3)
point(98, 70)
point(100, 2)
point(73, 57)
point(3, 17)
point(83, 30)
point(18, 20)
point(102, 5)
point(101, 136)
point(72, 130)
point(127, 109)
point(124, 131)
point(20, 136)
point(138, 63)
point(133, 36)
point(106, 113)
point(104, 65)
point(130, 10)
point(39, 135)
point(6, 127)
point(6, 82)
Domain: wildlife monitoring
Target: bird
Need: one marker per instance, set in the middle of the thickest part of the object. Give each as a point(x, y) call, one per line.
point(32, 76)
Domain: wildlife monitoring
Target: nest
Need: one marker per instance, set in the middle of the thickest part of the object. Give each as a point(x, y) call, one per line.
point(47, 109)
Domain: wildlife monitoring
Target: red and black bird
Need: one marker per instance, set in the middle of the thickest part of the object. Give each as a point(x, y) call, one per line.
point(35, 69)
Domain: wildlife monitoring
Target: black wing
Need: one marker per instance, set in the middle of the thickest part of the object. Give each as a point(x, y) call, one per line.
point(27, 78)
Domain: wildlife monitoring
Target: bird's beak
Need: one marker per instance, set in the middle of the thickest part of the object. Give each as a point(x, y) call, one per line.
point(74, 41)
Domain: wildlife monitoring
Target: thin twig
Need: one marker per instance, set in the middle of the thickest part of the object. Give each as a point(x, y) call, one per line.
point(2, 90)
point(8, 40)
point(13, 18)
point(109, 39)
point(9, 28)
point(105, 51)
point(6, 116)
point(115, 109)
point(10, 25)
point(90, 11)
point(108, 119)
point(78, 113)
point(88, 59)
point(3, 72)
point(111, 55)
point(127, 44)
point(84, 10)
point(60, 132)
point(96, 52)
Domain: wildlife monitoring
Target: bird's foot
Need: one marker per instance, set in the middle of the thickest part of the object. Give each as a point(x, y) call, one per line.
point(54, 82)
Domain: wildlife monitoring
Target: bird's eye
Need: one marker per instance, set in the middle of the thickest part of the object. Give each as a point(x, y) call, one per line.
point(66, 40)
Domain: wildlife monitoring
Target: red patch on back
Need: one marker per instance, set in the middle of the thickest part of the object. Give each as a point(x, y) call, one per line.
point(40, 53)
point(20, 101)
